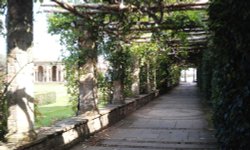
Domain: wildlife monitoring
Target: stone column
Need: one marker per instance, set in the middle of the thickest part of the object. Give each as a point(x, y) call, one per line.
point(135, 88)
point(88, 87)
point(36, 74)
point(154, 79)
point(20, 94)
point(57, 73)
point(19, 70)
point(154, 74)
point(118, 97)
point(87, 72)
point(62, 73)
point(49, 73)
point(148, 77)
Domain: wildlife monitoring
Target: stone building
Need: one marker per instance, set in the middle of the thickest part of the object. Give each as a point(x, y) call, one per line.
point(49, 71)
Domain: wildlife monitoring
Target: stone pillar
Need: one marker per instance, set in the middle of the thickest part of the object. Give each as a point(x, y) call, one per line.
point(19, 70)
point(45, 74)
point(57, 74)
point(135, 88)
point(50, 74)
point(44, 77)
point(148, 77)
point(20, 96)
point(154, 79)
point(88, 87)
point(118, 97)
point(36, 74)
point(62, 73)
point(154, 74)
point(87, 73)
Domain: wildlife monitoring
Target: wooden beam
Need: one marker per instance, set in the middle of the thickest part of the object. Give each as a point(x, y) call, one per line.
point(117, 8)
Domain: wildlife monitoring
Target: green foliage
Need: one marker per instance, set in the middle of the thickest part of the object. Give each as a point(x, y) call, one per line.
point(64, 25)
point(175, 71)
point(3, 106)
point(120, 60)
point(226, 71)
point(206, 73)
point(168, 73)
point(118, 51)
point(104, 89)
point(2, 9)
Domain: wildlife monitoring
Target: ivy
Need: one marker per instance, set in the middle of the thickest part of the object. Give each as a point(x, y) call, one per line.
point(3, 106)
point(225, 70)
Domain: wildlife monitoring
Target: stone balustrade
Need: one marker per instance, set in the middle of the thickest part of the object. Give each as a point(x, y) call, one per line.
point(72, 130)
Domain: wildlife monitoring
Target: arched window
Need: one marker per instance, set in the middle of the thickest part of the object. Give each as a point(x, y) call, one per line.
point(54, 71)
point(40, 73)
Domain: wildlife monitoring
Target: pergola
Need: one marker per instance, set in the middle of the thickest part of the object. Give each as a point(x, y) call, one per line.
point(197, 35)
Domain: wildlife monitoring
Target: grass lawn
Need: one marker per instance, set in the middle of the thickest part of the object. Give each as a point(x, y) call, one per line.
point(53, 112)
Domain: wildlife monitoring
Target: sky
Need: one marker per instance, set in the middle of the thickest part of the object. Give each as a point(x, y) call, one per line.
point(46, 46)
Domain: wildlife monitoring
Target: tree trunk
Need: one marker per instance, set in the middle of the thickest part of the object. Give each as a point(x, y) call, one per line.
point(19, 70)
point(135, 88)
point(87, 71)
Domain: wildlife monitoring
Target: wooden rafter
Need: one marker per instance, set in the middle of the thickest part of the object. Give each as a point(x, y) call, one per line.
point(87, 8)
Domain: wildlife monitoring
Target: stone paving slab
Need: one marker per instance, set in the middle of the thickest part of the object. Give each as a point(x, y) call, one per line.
point(173, 121)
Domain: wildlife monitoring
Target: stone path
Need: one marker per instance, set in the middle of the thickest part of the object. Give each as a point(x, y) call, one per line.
point(173, 121)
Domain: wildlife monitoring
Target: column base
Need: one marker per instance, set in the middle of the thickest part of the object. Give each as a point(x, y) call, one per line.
point(21, 137)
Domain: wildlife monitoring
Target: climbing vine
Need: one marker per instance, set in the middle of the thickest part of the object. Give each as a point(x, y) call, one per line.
point(116, 35)
point(3, 105)
point(63, 25)
point(114, 31)
point(226, 72)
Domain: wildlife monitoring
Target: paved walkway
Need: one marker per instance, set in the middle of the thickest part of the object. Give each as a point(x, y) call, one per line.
point(173, 121)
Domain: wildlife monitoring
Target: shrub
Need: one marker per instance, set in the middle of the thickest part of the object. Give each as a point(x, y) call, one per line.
point(226, 72)
point(46, 98)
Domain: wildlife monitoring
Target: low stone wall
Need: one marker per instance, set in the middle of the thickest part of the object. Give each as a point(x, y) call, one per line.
point(70, 131)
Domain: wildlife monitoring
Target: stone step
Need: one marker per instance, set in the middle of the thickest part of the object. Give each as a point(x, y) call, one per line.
point(156, 144)
point(124, 148)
